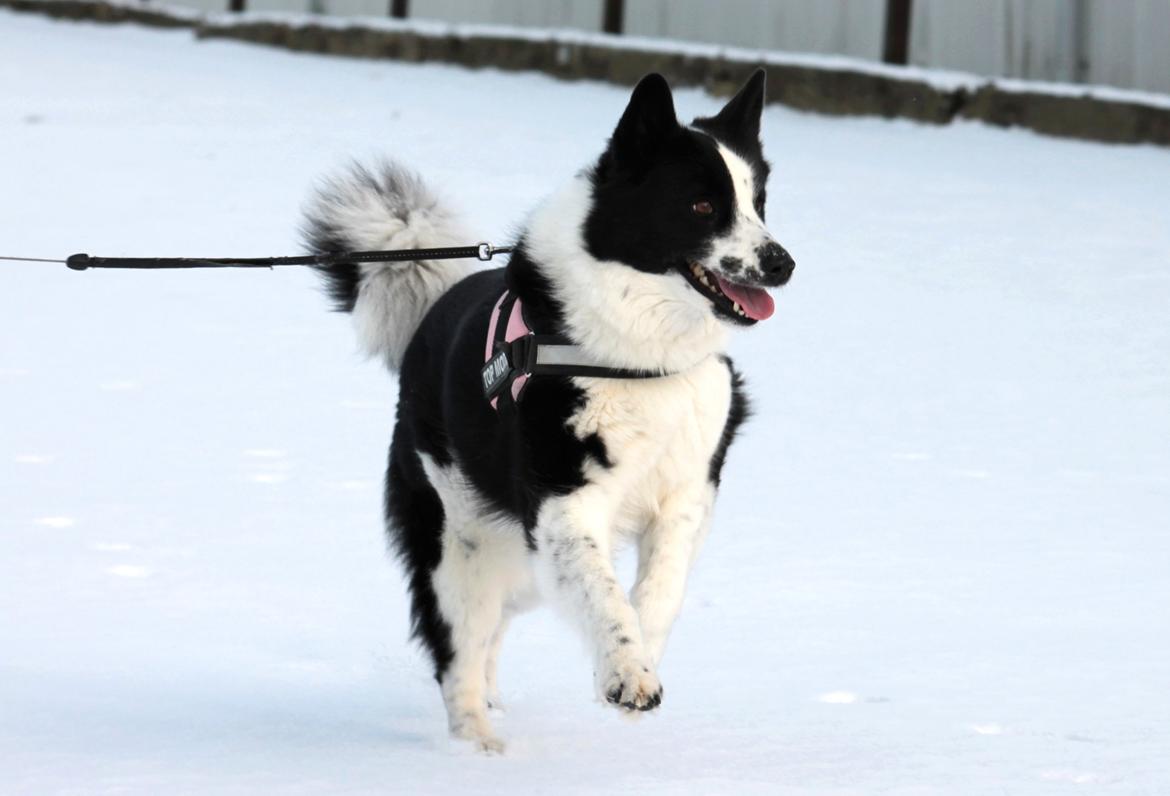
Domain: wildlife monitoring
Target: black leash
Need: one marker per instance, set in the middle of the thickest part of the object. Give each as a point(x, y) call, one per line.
point(83, 262)
point(524, 357)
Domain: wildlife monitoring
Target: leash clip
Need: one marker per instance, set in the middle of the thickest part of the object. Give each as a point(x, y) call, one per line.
point(484, 252)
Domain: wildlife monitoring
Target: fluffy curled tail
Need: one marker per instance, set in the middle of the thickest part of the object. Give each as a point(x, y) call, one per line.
point(386, 207)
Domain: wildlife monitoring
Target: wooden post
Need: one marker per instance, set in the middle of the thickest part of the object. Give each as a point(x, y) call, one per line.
point(399, 9)
point(611, 16)
point(235, 5)
point(1081, 41)
point(897, 39)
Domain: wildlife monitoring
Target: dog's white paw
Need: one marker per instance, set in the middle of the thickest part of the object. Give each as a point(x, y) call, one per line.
point(491, 745)
point(631, 685)
point(477, 729)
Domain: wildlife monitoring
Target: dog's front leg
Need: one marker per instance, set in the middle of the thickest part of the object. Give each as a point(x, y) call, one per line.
point(573, 539)
point(666, 552)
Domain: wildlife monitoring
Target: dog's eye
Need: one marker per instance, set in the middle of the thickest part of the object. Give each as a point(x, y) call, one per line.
point(703, 208)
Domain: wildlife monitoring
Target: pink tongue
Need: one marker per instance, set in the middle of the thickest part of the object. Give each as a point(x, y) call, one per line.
point(755, 302)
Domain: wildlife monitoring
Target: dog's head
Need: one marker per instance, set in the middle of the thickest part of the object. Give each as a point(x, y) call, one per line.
point(689, 200)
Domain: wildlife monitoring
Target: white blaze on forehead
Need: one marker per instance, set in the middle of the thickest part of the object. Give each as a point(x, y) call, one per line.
point(743, 179)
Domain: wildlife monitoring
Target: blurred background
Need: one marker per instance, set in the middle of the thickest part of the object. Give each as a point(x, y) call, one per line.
point(1119, 43)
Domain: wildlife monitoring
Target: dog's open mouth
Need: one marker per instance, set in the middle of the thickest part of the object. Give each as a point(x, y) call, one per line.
point(740, 302)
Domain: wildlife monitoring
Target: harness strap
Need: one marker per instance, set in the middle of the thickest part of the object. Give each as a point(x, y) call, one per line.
point(514, 353)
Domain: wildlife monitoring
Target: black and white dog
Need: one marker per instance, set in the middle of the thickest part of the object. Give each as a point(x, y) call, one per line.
point(574, 399)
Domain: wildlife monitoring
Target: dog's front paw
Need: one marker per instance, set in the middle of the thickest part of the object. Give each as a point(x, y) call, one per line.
point(631, 685)
point(480, 734)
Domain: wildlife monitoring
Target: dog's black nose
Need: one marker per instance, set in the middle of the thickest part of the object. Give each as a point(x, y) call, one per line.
point(776, 263)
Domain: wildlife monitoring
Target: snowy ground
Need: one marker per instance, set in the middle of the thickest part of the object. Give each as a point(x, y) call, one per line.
point(940, 562)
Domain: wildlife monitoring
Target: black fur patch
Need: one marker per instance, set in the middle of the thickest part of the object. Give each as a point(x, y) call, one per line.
point(642, 210)
point(731, 265)
point(739, 412)
point(341, 280)
point(414, 523)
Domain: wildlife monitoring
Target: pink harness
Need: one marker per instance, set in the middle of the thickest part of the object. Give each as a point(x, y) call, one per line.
point(516, 329)
point(513, 353)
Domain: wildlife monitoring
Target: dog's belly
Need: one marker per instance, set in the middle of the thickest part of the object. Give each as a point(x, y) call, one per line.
point(659, 436)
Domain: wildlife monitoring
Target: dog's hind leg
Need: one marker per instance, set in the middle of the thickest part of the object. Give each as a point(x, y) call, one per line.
point(482, 568)
point(473, 608)
point(455, 603)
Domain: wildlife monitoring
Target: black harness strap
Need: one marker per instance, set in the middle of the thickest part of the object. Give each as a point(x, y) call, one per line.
point(534, 354)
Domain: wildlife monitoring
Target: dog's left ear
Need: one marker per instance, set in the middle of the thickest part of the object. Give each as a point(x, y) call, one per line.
point(739, 121)
point(647, 121)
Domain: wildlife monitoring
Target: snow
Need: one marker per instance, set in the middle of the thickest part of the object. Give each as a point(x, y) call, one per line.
point(940, 558)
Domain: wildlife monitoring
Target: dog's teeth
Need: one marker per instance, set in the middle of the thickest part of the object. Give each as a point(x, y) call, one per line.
point(738, 309)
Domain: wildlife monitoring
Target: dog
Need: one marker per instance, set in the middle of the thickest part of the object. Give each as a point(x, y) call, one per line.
point(575, 399)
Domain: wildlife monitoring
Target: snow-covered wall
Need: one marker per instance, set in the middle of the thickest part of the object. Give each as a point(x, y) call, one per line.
point(830, 84)
point(1112, 42)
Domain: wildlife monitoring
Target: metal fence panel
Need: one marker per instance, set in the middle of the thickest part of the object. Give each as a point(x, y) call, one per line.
point(1032, 39)
point(579, 14)
point(1128, 43)
point(1113, 42)
point(845, 27)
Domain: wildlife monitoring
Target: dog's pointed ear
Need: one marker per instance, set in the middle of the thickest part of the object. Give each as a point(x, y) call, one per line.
point(739, 121)
point(647, 120)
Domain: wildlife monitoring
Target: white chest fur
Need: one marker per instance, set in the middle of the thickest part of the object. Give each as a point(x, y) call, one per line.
point(659, 436)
